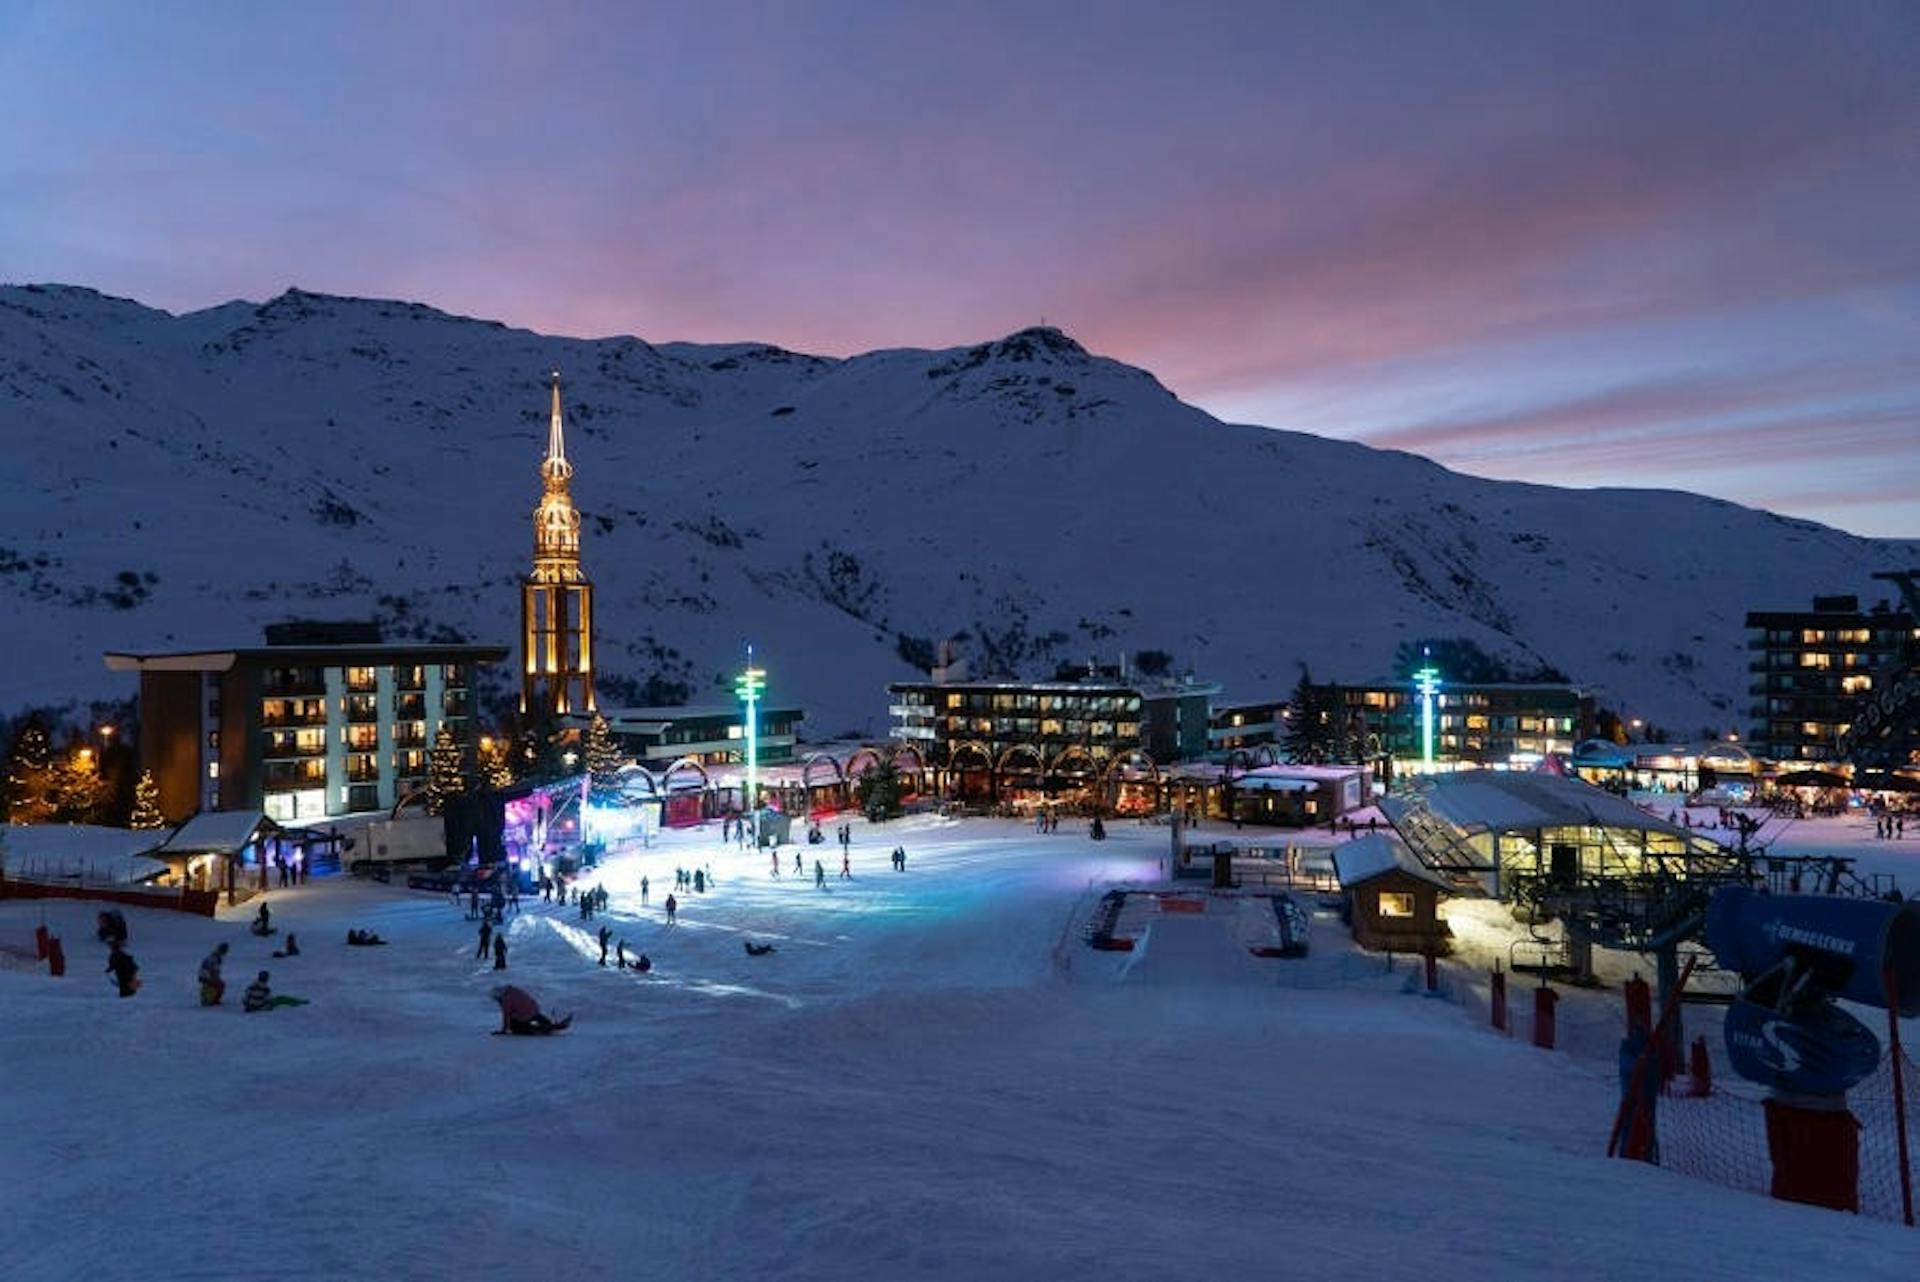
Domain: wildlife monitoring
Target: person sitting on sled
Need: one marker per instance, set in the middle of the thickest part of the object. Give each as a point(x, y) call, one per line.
point(520, 1015)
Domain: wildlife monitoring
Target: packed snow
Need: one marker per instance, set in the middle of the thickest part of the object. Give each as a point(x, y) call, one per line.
point(930, 1077)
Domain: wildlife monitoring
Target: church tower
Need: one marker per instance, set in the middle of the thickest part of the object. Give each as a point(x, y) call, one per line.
point(556, 600)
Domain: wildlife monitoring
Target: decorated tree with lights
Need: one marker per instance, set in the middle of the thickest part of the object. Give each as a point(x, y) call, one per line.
point(602, 758)
point(496, 768)
point(446, 771)
point(78, 790)
point(146, 804)
point(32, 782)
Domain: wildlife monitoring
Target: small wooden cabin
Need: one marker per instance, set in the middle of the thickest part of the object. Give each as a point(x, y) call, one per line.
point(1393, 899)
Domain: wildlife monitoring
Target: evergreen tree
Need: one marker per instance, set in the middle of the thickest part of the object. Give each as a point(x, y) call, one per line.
point(496, 769)
point(602, 758)
point(446, 771)
point(32, 792)
point(1311, 724)
point(146, 804)
point(78, 790)
point(878, 791)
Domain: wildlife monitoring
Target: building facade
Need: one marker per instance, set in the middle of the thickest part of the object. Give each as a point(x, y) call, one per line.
point(1813, 671)
point(1480, 725)
point(712, 735)
point(1038, 728)
point(556, 599)
point(322, 720)
point(1245, 726)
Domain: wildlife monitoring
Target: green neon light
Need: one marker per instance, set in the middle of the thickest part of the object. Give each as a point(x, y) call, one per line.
point(1426, 683)
point(747, 687)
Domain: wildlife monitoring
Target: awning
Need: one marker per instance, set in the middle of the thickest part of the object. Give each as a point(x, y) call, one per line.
point(1811, 779)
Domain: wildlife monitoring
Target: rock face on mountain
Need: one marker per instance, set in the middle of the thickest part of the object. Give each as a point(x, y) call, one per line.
point(177, 481)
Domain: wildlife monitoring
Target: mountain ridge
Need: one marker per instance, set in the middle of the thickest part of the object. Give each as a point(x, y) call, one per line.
point(328, 455)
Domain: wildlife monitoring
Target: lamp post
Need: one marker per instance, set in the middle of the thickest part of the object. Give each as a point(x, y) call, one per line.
point(748, 686)
point(1426, 683)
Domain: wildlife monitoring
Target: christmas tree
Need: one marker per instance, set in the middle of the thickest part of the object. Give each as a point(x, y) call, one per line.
point(32, 788)
point(603, 759)
point(146, 804)
point(496, 769)
point(446, 771)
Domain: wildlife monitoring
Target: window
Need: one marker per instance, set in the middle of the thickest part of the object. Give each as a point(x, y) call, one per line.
point(1396, 904)
point(213, 770)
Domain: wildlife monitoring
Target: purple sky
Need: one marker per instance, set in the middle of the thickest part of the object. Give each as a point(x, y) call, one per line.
point(1673, 245)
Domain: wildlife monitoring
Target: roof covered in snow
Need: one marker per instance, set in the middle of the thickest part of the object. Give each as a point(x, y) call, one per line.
point(1512, 801)
point(1365, 858)
point(223, 832)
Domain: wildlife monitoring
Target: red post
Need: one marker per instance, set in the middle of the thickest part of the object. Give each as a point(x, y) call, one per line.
point(1498, 999)
point(1543, 1017)
point(1700, 1069)
point(1433, 970)
point(40, 942)
point(56, 958)
point(1899, 1058)
point(1642, 1066)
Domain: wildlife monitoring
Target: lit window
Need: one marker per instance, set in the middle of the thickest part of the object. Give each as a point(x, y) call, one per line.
point(1396, 904)
point(735, 732)
point(213, 770)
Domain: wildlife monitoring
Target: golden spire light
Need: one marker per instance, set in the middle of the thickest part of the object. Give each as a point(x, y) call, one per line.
point(556, 599)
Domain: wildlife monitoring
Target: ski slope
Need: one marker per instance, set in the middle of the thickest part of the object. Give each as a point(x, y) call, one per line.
point(930, 1078)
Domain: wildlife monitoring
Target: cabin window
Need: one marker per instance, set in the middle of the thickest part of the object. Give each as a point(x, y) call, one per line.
point(1396, 904)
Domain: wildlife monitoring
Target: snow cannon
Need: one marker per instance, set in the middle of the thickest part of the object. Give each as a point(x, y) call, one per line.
point(1845, 947)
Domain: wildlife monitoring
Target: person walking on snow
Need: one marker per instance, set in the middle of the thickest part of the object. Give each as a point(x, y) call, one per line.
point(500, 951)
point(212, 987)
point(605, 935)
point(699, 882)
point(819, 875)
point(846, 865)
point(799, 869)
point(124, 969)
point(773, 857)
point(643, 892)
point(486, 940)
point(673, 906)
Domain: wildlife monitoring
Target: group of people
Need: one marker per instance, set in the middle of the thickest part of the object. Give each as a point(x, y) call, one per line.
point(259, 995)
point(494, 941)
point(1890, 827)
point(292, 872)
point(695, 879)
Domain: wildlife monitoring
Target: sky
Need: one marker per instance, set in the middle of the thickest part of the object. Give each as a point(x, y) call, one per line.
point(1671, 245)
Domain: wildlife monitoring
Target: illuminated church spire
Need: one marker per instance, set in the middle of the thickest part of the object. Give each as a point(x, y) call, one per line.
point(556, 600)
point(556, 468)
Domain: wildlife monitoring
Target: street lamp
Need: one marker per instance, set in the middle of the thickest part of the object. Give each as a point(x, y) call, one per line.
point(747, 686)
point(1426, 683)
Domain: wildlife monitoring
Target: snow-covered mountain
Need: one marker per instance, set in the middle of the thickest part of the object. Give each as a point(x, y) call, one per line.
point(178, 481)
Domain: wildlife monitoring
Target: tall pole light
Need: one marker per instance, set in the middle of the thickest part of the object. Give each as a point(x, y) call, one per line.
point(1426, 682)
point(748, 686)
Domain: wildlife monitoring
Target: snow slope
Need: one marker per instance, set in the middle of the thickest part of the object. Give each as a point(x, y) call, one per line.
point(177, 481)
point(912, 1086)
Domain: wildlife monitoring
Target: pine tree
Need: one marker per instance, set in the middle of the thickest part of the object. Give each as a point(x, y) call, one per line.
point(446, 771)
point(79, 792)
point(496, 769)
point(878, 790)
point(1311, 728)
point(32, 788)
point(146, 804)
point(602, 759)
